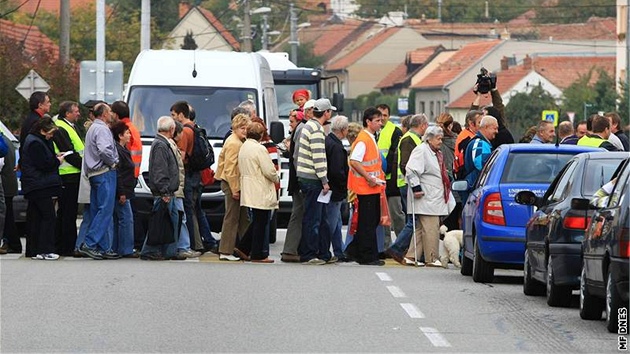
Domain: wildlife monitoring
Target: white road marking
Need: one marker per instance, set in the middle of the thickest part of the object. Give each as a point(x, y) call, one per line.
point(395, 291)
point(383, 276)
point(435, 337)
point(412, 310)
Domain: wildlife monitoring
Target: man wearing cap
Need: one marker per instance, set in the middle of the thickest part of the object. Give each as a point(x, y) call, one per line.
point(294, 227)
point(311, 172)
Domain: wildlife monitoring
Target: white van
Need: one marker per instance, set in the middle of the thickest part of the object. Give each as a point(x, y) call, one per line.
point(213, 82)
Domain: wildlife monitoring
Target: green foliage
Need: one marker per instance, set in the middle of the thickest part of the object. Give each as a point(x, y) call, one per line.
point(574, 11)
point(525, 109)
point(452, 10)
point(624, 105)
point(306, 58)
point(581, 97)
point(374, 98)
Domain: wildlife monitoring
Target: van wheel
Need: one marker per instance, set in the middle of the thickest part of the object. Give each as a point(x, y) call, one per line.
point(557, 296)
point(613, 303)
point(531, 287)
point(273, 227)
point(590, 306)
point(483, 272)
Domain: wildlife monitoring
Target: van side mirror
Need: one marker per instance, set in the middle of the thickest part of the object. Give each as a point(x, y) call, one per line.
point(460, 186)
point(276, 132)
point(526, 198)
point(581, 204)
point(338, 101)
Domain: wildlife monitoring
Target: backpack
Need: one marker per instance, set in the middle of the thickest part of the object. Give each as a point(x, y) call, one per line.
point(202, 156)
point(4, 148)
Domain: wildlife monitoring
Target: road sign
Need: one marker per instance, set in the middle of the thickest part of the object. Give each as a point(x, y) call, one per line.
point(32, 82)
point(403, 105)
point(551, 116)
point(571, 116)
point(113, 81)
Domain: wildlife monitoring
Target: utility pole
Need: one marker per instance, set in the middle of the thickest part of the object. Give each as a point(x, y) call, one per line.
point(100, 50)
point(294, 40)
point(246, 34)
point(440, 10)
point(265, 40)
point(145, 25)
point(64, 31)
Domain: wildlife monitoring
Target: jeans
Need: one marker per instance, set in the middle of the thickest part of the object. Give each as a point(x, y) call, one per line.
point(195, 215)
point(183, 243)
point(404, 237)
point(331, 229)
point(102, 192)
point(167, 250)
point(310, 242)
point(123, 228)
point(294, 228)
point(87, 218)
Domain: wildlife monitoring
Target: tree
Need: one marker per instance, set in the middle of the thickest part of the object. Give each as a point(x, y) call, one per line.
point(600, 96)
point(574, 11)
point(189, 41)
point(306, 58)
point(624, 104)
point(525, 109)
point(374, 98)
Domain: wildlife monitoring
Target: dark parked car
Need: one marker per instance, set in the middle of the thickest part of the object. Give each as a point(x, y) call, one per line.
point(554, 234)
point(492, 222)
point(605, 251)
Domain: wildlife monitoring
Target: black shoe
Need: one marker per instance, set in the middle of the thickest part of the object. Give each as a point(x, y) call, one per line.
point(177, 257)
point(110, 255)
point(151, 257)
point(89, 252)
point(377, 262)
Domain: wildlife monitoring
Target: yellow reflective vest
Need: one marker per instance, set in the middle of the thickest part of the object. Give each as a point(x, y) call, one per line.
point(385, 141)
point(65, 168)
point(401, 182)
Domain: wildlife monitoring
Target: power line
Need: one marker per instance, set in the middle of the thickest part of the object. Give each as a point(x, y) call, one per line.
point(32, 21)
point(14, 10)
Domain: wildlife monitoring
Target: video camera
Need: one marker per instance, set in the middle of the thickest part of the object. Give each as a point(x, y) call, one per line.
point(485, 82)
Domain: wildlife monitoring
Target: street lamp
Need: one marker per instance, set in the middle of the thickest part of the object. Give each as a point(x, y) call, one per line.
point(264, 11)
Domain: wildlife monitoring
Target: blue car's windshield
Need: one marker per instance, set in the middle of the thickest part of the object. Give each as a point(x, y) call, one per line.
point(212, 105)
point(533, 167)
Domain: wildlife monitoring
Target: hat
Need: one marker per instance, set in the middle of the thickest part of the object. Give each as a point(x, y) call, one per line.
point(309, 104)
point(323, 104)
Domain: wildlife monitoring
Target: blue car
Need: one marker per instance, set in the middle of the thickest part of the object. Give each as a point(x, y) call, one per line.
point(492, 222)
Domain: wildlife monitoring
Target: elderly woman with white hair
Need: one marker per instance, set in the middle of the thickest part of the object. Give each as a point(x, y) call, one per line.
point(430, 196)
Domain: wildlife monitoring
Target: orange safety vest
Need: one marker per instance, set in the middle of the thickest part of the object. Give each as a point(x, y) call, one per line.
point(371, 164)
point(134, 146)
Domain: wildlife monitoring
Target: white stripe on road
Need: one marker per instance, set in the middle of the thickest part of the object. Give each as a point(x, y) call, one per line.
point(412, 310)
point(383, 276)
point(395, 291)
point(435, 337)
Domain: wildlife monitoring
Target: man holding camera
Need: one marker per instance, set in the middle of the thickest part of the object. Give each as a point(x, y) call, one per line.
point(487, 83)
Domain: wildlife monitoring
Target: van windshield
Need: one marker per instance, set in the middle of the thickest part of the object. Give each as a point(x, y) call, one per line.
point(212, 106)
point(284, 92)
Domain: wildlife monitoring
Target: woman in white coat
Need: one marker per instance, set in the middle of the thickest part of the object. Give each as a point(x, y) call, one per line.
point(258, 192)
point(429, 198)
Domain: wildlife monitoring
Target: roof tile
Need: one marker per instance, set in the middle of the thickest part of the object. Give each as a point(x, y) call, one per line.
point(562, 71)
point(505, 81)
point(363, 49)
point(33, 40)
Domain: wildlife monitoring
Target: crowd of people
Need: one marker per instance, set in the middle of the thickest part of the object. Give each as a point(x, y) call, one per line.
point(396, 179)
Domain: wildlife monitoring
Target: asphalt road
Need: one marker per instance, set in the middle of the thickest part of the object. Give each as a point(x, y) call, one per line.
point(204, 305)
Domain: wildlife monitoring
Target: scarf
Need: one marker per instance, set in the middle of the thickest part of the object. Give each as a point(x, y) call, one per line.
point(446, 182)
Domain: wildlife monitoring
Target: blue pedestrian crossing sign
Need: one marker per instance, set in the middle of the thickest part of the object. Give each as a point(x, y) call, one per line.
point(551, 116)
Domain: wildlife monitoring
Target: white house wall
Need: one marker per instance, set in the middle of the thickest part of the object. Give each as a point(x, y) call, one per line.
point(205, 35)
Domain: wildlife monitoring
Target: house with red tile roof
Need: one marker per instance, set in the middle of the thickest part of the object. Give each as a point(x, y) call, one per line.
point(31, 39)
point(208, 32)
point(362, 64)
point(31, 6)
point(553, 73)
point(399, 79)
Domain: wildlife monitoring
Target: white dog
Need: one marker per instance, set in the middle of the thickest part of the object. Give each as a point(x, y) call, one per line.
point(449, 249)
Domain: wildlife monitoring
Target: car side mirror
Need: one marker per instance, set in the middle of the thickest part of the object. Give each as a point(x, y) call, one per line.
point(276, 132)
point(581, 204)
point(338, 101)
point(460, 186)
point(526, 198)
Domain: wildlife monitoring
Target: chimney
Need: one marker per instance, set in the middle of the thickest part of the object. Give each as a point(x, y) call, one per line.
point(504, 63)
point(527, 62)
point(184, 7)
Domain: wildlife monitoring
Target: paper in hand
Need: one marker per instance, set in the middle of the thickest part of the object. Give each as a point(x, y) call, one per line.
point(324, 198)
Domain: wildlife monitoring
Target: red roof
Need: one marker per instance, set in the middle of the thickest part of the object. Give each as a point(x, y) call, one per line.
point(459, 62)
point(185, 7)
point(30, 6)
point(329, 39)
point(563, 71)
point(34, 41)
point(413, 62)
point(362, 50)
point(505, 81)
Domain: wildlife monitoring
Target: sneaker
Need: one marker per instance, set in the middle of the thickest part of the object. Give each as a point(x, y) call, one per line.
point(39, 257)
point(332, 260)
point(229, 258)
point(315, 261)
point(110, 255)
point(411, 262)
point(435, 263)
point(90, 252)
point(151, 257)
point(190, 254)
point(177, 257)
point(51, 257)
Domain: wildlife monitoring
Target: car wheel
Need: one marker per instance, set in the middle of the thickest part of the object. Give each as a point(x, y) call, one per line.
point(483, 272)
point(557, 296)
point(590, 306)
point(467, 263)
point(613, 303)
point(531, 287)
point(273, 228)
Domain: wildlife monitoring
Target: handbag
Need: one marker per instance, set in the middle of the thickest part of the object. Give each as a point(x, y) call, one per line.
point(385, 219)
point(207, 176)
point(160, 231)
